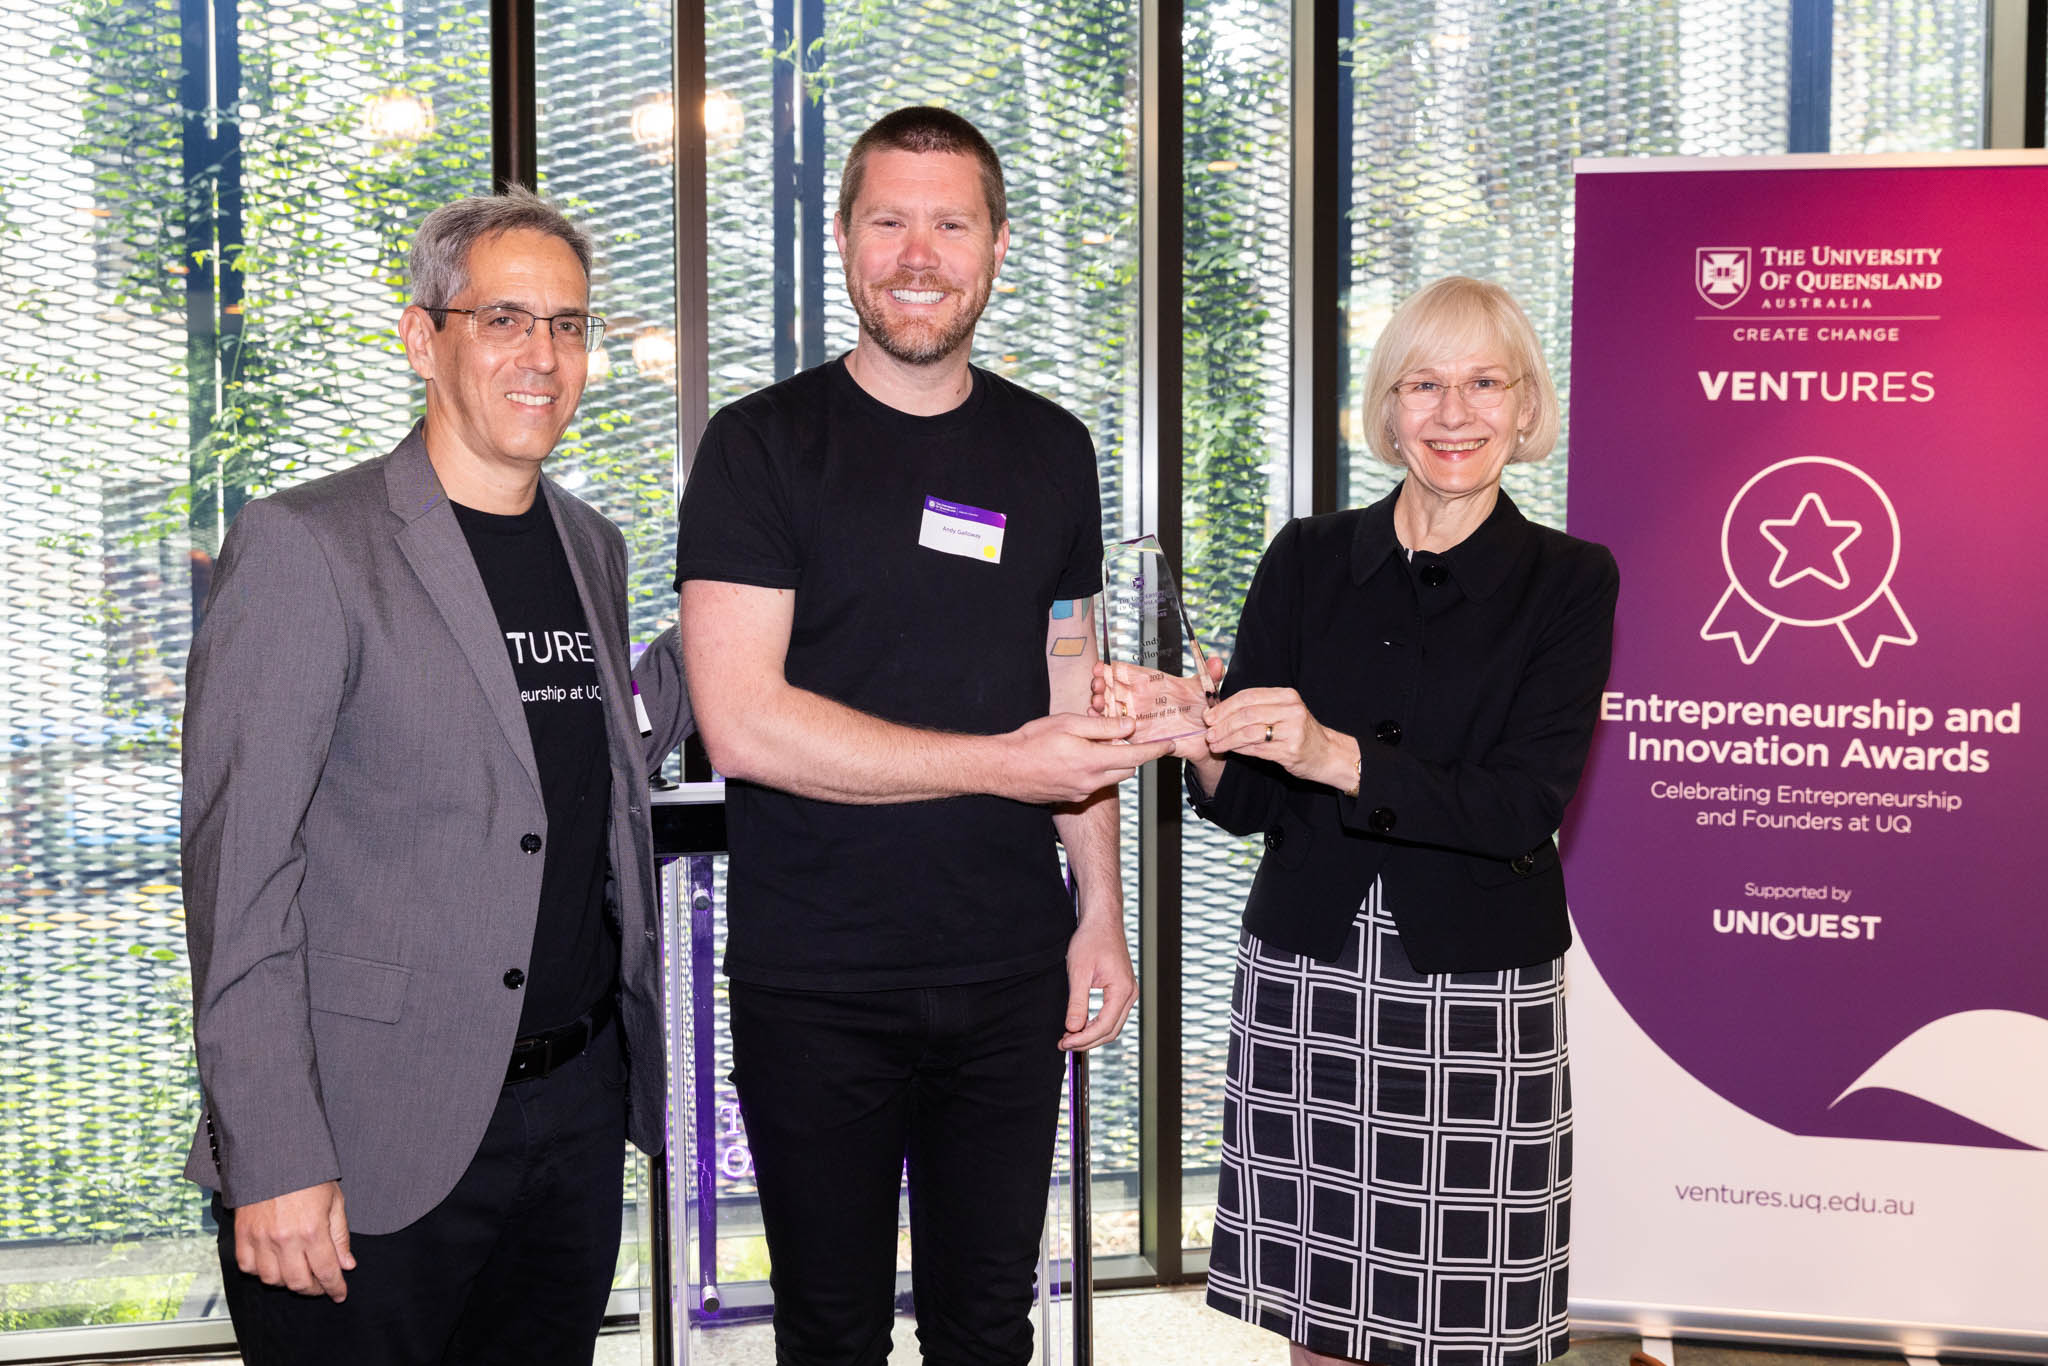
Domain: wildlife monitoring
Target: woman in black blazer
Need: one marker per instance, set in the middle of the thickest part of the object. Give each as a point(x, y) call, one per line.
point(1405, 717)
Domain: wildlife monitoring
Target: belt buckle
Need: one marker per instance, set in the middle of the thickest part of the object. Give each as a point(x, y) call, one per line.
point(539, 1055)
point(529, 1060)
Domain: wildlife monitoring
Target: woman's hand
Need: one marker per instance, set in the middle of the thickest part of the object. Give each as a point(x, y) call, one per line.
point(1276, 725)
point(1121, 689)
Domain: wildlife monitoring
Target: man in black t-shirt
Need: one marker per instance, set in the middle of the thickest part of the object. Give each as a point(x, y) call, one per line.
point(418, 872)
point(886, 567)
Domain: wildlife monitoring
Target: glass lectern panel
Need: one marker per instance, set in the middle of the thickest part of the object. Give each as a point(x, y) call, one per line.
point(709, 1250)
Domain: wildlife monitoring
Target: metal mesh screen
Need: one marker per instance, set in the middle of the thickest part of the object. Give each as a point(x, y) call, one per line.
point(1465, 119)
point(606, 135)
point(1908, 76)
point(1235, 432)
point(200, 255)
point(605, 129)
point(740, 197)
point(89, 939)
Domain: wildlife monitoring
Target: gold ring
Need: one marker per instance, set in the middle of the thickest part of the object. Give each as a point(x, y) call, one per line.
point(1269, 732)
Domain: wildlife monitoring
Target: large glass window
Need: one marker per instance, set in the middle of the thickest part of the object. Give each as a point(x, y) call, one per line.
point(1465, 121)
point(1236, 484)
point(1053, 86)
point(606, 126)
point(1908, 75)
point(605, 132)
point(204, 209)
point(1467, 114)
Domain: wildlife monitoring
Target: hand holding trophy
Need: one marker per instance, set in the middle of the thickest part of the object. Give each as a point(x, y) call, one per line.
point(1144, 621)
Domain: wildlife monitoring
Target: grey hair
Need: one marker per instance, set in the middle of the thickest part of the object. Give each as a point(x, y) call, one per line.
point(440, 249)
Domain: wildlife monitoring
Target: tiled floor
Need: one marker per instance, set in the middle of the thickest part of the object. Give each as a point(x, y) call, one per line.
point(1174, 1328)
point(1170, 1328)
point(1132, 1328)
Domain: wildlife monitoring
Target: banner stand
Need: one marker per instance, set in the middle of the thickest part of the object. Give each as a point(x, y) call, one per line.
point(1809, 997)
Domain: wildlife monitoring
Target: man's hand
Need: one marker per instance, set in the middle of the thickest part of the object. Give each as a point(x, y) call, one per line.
point(1066, 758)
point(1120, 689)
point(298, 1240)
point(1097, 957)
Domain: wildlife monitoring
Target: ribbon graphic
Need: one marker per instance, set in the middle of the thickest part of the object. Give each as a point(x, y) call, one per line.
point(1810, 541)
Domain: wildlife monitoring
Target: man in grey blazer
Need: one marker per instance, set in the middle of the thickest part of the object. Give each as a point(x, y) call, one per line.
point(418, 874)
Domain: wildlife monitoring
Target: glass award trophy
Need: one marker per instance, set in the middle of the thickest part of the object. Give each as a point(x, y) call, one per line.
point(1144, 622)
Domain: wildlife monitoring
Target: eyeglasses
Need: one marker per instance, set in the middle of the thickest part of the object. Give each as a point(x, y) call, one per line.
point(1421, 395)
point(504, 327)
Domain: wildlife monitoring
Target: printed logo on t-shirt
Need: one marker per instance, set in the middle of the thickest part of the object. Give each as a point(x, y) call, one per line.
point(959, 529)
point(554, 666)
point(548, 647)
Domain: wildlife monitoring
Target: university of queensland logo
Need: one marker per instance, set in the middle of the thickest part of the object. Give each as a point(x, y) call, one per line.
point(1721, 274)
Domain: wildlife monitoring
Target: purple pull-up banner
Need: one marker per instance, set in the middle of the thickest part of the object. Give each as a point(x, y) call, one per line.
point(1809, 414)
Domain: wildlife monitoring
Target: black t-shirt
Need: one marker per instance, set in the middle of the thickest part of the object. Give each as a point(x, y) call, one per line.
point(926, 554)
point(575, 958)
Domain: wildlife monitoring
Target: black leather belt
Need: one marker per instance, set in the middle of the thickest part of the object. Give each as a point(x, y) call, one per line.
point(536, 1055)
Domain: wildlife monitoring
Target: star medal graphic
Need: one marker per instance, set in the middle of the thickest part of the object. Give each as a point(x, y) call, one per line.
point(1810, 542)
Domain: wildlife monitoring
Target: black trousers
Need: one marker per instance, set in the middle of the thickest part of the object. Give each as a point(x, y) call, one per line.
point(514, 1265)
point(841, 1092)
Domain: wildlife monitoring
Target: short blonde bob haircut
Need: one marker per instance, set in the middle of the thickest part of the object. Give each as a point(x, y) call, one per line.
point(1447, 321)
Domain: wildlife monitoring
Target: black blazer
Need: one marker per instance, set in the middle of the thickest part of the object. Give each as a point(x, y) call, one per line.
point(1472, 680)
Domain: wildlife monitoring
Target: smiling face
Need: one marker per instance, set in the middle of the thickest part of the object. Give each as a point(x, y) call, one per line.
point(920, 253)
point(1455, 451)
point(496, 413)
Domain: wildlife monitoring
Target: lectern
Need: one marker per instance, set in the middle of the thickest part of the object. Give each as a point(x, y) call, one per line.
point(700, 1183)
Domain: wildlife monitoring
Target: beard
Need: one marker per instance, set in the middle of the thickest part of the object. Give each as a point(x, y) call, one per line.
point(919, 341)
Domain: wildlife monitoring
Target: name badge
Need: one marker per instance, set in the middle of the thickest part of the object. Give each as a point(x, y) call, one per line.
point(957, 529)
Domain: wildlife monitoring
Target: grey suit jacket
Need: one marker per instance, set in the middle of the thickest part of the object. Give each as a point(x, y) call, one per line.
point(358, 780)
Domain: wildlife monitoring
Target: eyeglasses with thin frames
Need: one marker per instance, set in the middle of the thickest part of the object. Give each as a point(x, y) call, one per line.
point(501, 326)
point(1422, 395)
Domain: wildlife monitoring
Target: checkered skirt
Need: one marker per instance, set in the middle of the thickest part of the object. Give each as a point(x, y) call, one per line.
point(1397, 1155)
